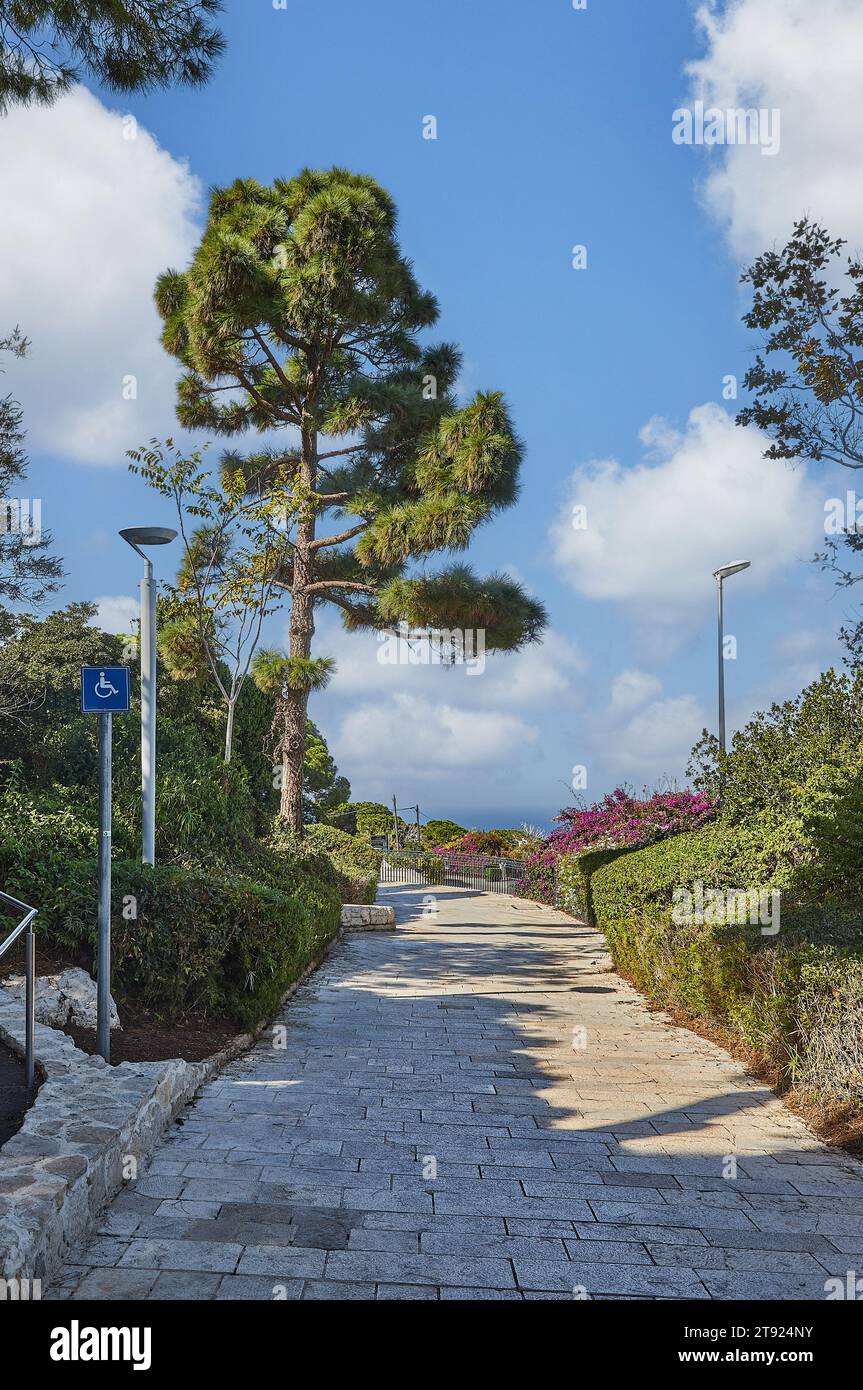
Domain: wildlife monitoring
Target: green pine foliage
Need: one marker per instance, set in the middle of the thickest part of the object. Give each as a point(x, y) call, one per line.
point(299, 314)
point(46, 46)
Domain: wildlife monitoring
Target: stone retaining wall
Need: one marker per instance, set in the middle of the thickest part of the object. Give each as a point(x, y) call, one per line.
point(89, 1119)
point(73, 1150)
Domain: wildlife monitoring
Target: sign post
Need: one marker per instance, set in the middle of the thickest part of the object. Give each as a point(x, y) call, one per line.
point(104, 691)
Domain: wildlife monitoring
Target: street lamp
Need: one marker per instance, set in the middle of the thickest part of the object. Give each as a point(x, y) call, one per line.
point(723, 573)
point(136, 536)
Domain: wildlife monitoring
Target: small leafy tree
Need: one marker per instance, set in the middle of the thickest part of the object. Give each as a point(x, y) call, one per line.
point(227, 582)
point(46, 46)
point(808, 382)
point(299, 314)
point(28, 573)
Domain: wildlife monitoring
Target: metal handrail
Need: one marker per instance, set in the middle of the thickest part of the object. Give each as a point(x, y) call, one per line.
point(26, 925)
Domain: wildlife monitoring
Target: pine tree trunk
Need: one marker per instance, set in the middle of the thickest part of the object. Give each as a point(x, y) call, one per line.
point(301, 631)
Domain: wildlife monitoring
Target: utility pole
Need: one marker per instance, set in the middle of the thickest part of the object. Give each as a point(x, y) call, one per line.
point(395, 822)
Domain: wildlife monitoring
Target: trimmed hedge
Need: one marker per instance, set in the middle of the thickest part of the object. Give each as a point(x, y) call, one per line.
point(718, 855)
point(221, 939)
point(574, 877)
point(796, 998)
point(186, 943)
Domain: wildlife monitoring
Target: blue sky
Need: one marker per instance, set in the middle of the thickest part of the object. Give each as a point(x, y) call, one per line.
point(554, 129)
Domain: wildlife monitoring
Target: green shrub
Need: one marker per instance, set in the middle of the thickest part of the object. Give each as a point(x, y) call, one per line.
point(197, 945)
point(796, 998)
point(718, 855)
point(356, 862)
point(347, 864)
point(38, 839)
point(575, 875)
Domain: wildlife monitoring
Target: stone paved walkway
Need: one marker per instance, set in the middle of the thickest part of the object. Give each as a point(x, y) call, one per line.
point(431, 1131)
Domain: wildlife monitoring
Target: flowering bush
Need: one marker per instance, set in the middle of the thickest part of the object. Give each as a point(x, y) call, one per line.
point(619, 821)
point(485, 844)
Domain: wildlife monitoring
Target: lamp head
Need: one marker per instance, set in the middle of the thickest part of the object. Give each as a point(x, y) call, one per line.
point(136, 536)
point(148, 535)
point(725, 570)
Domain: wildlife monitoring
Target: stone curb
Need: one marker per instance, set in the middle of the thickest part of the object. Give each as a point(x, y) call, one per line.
point(66, 1162)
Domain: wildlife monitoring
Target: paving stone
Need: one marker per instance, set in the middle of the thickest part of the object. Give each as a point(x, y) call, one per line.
point(282, 1262)
point(609, 1278)
point(419, 1269)
point(184, 1285)
point(625, 1252)
point(116, 1284)
point(719, 1257)
point(248, 1288)
point(731, 1285)
point(182, 1254)
point(451, 1039)
point(319, 1289)
point(407, 1292)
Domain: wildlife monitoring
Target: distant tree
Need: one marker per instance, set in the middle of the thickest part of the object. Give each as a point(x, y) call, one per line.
point(325, 787)
point(28, 573)
point(809, 395)
point(440, 832)
point(300, 315)
point(365, 818)
point(46, 46)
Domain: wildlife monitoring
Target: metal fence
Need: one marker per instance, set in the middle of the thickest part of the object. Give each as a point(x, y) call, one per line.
point(451, 870)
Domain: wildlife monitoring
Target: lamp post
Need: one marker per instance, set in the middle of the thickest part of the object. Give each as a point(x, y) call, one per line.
point(719, 575)
point(136, 536)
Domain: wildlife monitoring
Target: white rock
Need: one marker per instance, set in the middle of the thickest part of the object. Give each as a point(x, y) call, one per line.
point(67, 998)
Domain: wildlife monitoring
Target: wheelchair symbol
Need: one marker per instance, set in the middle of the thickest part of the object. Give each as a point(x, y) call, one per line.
point(103, 688)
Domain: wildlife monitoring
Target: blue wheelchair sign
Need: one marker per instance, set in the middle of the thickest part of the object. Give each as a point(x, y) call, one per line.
point(104, 689)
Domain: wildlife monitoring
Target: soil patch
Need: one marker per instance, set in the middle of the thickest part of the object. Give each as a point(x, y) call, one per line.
point(145, 1038)
point(15, 1099)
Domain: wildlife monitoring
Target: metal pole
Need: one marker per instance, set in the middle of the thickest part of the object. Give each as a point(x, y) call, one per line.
point(396, 822)
point(419, 832)
point(103, 986)
point(148, 714)
point(721, 658)
point(30, 1001)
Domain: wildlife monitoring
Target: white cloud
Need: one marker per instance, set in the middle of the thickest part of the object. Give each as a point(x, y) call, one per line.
point(656, 531)
point(804, 653)
point(536, 676)
point(97, 218)
point(656, 741)
point(631, 689)
point(803, 59)
point(423, 740)
point(117, 613)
